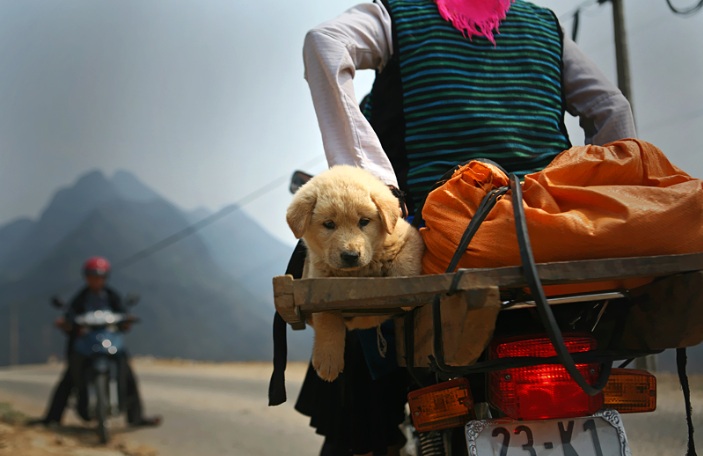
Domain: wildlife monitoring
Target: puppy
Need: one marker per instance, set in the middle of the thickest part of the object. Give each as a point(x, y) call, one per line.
point(350, 223)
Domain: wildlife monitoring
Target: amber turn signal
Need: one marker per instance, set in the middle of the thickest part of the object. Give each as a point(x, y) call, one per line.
point(441, 406)
point(631, 391)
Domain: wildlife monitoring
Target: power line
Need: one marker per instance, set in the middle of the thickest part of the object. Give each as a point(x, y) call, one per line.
point(573, 12)
point(687, 11)
point(188, 230)
point(194, 227)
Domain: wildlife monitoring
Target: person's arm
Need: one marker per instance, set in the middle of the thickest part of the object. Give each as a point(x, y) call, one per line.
point(604, 113)
point(116, 303)
point(65, 323)
point(333, 51)
point(74, 306)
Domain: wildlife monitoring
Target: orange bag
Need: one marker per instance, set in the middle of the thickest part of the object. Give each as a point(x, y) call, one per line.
point(624, 199)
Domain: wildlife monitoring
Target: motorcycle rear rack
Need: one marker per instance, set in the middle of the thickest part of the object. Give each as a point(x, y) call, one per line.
point(295, 299)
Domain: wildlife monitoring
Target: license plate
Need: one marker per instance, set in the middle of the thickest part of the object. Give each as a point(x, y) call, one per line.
point(599, 435)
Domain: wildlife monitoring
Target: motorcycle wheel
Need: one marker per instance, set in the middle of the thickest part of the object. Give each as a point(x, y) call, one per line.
point(101, 406)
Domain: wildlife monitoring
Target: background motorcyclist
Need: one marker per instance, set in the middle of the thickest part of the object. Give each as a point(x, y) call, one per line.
point(95, 295)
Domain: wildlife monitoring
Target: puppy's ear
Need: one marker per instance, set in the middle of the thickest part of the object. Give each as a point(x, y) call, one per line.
point(389, 210)
point(299, 212)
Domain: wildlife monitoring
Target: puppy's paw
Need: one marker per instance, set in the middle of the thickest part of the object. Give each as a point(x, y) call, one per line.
point(328, 362)
point(328, 346)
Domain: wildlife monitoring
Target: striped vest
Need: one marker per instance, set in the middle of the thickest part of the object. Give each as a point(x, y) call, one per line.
point(444, 99)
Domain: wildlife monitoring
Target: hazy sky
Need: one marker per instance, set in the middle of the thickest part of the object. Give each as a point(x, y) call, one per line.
point(205, 100)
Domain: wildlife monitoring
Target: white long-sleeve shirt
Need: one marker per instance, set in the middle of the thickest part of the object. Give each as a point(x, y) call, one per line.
point(361, 38)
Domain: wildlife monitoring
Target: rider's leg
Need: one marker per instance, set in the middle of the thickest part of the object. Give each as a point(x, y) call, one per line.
point(59, 398)
point(135, 410)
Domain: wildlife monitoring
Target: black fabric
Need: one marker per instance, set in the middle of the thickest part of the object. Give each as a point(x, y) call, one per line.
point(681, 360)
point(59, 398)
point(277, 383)
point(355, 413)
point(77, 307)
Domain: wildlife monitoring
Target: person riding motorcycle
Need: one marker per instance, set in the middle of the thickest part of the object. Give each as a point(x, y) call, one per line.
point(446, 90)
point(95, 295)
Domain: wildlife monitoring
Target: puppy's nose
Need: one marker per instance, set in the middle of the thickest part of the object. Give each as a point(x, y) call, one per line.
point(350, 258)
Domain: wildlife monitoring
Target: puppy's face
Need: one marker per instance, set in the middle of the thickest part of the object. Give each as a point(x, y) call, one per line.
point(343, 216)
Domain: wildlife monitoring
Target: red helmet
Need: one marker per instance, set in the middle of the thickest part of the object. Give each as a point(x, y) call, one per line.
point(96, 266)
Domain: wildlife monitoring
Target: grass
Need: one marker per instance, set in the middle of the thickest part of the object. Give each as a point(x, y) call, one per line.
point(9, 415)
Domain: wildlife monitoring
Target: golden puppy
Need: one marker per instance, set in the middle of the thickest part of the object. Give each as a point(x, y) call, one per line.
point(350, 222)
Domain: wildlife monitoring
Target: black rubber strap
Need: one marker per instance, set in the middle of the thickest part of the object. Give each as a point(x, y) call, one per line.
point(681, 359)
point(437, 361)
point(529, 271)
point(487, 203)
point(277, 384)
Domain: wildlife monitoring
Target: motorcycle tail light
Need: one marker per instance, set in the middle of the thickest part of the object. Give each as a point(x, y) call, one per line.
point(631, 391)
point(441, 406)
point(543, 391)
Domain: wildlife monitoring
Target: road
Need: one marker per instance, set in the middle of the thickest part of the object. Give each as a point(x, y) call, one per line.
point(222, 410)
point(207, 409)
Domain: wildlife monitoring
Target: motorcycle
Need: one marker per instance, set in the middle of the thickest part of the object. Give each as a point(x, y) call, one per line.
point(543, 379)
point(101, 380)
point(519, 399)
point(544, 384)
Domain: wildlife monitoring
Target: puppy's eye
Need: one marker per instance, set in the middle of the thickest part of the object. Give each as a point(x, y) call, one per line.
point(329, 224)
point(363, 222)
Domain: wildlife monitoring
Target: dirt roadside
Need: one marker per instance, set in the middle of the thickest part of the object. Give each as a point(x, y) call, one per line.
point(76, 438)
point(19, 439)
point(231, 397)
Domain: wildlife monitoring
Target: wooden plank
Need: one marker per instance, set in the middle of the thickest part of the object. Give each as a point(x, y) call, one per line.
point(283, 300)
point(350, 293)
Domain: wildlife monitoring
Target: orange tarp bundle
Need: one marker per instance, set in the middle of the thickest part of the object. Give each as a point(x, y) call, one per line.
point(620, 200)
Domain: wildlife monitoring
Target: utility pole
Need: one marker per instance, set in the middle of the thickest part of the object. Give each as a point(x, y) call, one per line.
point(14, 335)
point(621, 50)
point(622, 61)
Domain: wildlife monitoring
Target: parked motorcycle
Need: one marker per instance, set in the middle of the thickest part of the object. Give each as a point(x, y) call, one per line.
point(518, 399)
point(100, 342)
point(545, 384)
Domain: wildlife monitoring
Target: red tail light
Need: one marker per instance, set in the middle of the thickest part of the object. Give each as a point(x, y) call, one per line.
point(546, 390)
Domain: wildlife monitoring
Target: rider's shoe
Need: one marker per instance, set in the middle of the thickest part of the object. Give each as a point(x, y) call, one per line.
point(43, 422)
point(147, 421)
point(83, 414)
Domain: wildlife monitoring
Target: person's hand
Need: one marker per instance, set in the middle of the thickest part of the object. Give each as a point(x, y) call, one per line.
point(62, 324)
point(56, 302)
point(126, 325)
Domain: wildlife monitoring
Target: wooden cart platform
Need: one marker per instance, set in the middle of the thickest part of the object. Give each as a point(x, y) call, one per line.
point(296, 298)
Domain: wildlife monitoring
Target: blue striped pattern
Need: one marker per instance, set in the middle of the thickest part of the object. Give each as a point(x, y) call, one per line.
point(467, 99)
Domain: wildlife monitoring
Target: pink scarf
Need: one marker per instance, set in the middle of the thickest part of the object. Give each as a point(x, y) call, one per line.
point(474, 17)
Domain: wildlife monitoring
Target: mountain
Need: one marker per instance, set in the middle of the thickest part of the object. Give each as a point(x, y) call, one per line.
point(199, 295)
point(66, 210)
point(131, 188)
point(12, 235)
point(264, 254)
